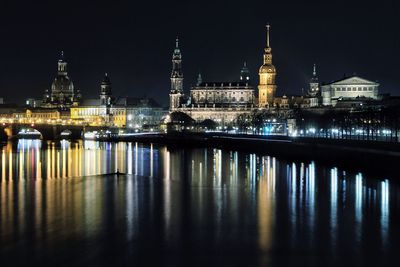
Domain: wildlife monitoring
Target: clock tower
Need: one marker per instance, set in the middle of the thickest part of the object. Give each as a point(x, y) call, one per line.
point(267, 74)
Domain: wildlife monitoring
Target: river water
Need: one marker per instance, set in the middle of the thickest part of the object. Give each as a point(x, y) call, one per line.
point(189, 207)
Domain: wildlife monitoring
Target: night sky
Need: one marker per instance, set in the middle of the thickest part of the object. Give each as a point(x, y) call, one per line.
point(133, 42)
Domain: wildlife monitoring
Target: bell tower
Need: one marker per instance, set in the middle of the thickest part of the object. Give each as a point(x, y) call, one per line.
point(176, 91)
point(105, 92)
point(267, 74)
point(314, 84)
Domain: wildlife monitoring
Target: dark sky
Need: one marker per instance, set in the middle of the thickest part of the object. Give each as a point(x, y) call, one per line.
point(133, 42)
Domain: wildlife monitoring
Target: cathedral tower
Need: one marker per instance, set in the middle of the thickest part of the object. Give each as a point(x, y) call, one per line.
point(267, 73)
point(176, 92)
point(105, 92)
point(314, 84)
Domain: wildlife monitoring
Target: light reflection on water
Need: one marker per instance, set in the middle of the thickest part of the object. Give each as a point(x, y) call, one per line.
point(256, 209)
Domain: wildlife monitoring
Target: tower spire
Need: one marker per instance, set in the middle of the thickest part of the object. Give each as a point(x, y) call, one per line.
point(176, 91)
point(267, 74)
point(199, 79)
point(314, 84)
point(315, 70)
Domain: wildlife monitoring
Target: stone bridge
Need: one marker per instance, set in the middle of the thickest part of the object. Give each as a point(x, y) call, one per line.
point(47, 131)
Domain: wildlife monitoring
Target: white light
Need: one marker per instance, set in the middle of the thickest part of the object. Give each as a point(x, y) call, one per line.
point(89, 135)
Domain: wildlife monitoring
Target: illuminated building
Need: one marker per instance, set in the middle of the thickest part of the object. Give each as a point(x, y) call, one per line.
point(222, 94)
point(267, 74)
point(222, 102)
point(142, 112)
point(62, 94)
point(352, 88)
point(130, 112)
point(100, 111)
point(38, 115)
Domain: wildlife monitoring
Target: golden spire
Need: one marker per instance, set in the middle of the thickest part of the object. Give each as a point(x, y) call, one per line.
point(268, 28)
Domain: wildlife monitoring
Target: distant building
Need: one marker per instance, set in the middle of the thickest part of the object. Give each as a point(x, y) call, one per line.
point(37, 115)
point(348, 88)
point(218, 101)
point(141, 112)
point(222, 102)
point(34, 103)
point(313, 97)
point(222, 94)
point(127, 112)
point(7, 111)
point(62, 93)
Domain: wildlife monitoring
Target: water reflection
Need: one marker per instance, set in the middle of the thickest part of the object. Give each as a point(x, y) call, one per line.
point(249, 204)
point(34, 159)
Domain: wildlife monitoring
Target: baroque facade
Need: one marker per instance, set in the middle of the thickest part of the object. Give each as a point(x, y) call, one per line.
point(222, 94)
point(223, 102)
